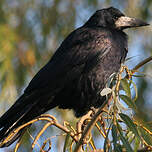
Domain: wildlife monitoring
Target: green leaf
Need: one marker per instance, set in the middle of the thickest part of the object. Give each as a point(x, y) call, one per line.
point(136, 144)
point(146, 136)
point(124, 140)
point(118, 148)
point(136, 91)
point(126, 87)
point(130, 124)
point(106, 140)
point(66, 143)
point(130, 136)
point(114, 136)
point(129, 102)
point(138, 76)
point(129, 58)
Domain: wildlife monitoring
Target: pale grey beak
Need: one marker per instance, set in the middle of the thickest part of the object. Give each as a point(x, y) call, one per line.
point(124, 22)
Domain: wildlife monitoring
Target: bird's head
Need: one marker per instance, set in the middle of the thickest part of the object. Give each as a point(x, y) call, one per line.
point(114, 19)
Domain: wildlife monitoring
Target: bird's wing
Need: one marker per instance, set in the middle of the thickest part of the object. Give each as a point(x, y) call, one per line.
point(77, 53)
point(69, 60)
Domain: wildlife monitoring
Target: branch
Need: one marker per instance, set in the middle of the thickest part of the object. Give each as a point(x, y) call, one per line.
point(141, 64)
point(51, 121)
point(89, 128)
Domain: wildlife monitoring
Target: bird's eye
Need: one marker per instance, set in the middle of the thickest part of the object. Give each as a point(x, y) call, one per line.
point(116, 17)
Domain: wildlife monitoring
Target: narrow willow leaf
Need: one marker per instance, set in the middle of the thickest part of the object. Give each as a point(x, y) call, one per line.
point(114, 136)
point(124, 140)
point(66, 143)
point(128, 101)
point(126, 87)
point(130, 136)
point(110, 80)
point(136, 144)
point(146, 136)
point(105, 91)
point(139, 76)
point(106, 139)
point(130, 124)
point(126, 143)
point(136, 91)
point(118, 148)
point(129, 58)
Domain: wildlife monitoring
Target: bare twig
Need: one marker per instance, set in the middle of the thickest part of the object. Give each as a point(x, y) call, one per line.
point(81, 122)
point(44, 144)
point(142, 63)
point(40, 133)
point(52, 120)
point(89, 128)
point(92, 144)
point(139, 65)
point(101, 132)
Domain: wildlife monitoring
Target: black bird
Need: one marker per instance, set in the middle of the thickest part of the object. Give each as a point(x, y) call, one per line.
point(76, 73)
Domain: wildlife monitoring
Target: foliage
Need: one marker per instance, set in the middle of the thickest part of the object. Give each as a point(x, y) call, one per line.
point(120, 131)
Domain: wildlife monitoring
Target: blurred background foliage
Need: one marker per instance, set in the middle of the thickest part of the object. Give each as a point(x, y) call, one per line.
point(31, 31)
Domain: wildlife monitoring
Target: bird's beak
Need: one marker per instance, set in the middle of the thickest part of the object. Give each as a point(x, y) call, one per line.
point(124, 22)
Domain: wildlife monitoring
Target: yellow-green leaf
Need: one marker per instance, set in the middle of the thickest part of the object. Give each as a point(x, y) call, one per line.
point(124, 140)
point(126, 87)
point(146, 136)
point(130, 124)
point(66, 143)
point(106, 139)
point(136, 91)
point(114, 136)
point(128, 101)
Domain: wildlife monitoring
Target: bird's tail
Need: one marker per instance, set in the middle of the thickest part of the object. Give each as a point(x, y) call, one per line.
point(25, 109)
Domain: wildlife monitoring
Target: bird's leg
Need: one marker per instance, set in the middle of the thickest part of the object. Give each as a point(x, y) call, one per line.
point(94, 110)
point(80, 123)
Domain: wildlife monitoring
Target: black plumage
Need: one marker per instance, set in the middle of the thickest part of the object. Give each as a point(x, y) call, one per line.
point(77, 72)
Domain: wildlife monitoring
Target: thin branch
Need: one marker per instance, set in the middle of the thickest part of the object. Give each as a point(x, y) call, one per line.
point(101, 132)
point(81, 122)
point(19, 141)
point(40, 133)
point(44, 144)
point(142, 63)
point(45, 117)
point(145, 149)
point(89, 127)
